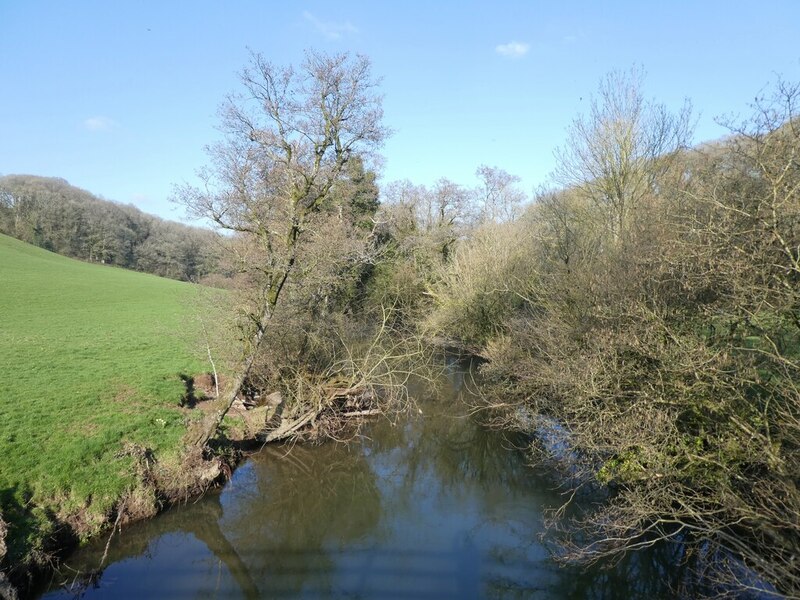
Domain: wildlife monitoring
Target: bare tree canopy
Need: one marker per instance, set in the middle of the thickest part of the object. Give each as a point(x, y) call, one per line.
point(642, 325)
point(288, 137)
point(618, 152)
point(498, 195)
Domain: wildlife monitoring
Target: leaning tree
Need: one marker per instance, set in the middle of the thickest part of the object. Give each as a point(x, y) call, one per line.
point(288, 137)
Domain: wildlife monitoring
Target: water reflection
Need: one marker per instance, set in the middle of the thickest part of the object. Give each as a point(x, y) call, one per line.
point(431, 507)
point(185, 541)
point(294, 509)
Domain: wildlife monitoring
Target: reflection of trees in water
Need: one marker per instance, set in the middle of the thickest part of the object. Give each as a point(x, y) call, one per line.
point(276, 532)
point(302, 506)
point(448, 443)
point(200, 520)
point(321, 494)
point(664, 570)
point(451, 449)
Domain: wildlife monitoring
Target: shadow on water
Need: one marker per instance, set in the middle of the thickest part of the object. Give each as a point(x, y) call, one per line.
point(433, 506)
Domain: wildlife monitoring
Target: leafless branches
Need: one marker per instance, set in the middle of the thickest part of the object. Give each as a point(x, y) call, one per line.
point(289, 136)
point(657, 334)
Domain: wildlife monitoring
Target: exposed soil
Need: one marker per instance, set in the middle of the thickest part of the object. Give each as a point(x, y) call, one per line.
point(206, 384)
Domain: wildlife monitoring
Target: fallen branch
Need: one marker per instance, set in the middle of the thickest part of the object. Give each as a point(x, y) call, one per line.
point(363, 413)
point(289, 428)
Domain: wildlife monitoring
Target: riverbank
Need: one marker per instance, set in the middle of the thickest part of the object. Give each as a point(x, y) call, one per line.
point(160, 485)
point(163, 484)
point(428, 504)
point(96, 405)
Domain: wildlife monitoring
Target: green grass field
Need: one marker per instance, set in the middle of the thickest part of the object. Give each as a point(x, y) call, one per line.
point(90, 358)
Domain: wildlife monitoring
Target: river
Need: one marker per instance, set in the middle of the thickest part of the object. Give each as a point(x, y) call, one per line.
point(431, 506)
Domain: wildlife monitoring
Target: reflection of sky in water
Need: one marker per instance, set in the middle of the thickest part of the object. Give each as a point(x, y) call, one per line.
point(433, 507)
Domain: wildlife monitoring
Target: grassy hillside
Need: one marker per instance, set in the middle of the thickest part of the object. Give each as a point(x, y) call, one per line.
point(90, 357)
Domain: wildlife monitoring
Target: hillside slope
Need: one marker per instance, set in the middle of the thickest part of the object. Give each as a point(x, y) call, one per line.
point(91, 360)
point(50, 213)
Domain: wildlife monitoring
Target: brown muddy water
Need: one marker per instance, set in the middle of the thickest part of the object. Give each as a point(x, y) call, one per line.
point(432, 506)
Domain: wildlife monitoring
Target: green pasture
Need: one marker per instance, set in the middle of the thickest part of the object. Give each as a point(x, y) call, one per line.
point(90, 359)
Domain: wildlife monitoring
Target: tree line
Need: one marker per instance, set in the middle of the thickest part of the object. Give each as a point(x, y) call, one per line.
point(293, 183)
point(52, 214)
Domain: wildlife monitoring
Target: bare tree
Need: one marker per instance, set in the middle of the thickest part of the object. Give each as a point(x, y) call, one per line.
point(288, 137)
point(498, 194)
point(617, 153)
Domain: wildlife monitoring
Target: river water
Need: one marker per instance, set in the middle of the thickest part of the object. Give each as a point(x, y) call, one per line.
point(431, 506)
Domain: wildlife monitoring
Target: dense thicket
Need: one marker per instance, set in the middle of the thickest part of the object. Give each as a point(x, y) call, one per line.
point(52, 214)
point(649, 310)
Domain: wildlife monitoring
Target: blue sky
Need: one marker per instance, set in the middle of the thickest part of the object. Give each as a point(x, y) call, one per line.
point(120, 97)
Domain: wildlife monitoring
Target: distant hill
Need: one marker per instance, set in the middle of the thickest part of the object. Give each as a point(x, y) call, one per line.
point(52, 214)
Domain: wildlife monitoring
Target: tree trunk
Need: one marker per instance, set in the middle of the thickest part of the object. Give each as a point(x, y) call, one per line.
point(212, 425)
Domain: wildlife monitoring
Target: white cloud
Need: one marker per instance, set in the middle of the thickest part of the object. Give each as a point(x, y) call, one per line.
point(99, 123)
point(513, 49)
point(330, 29)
